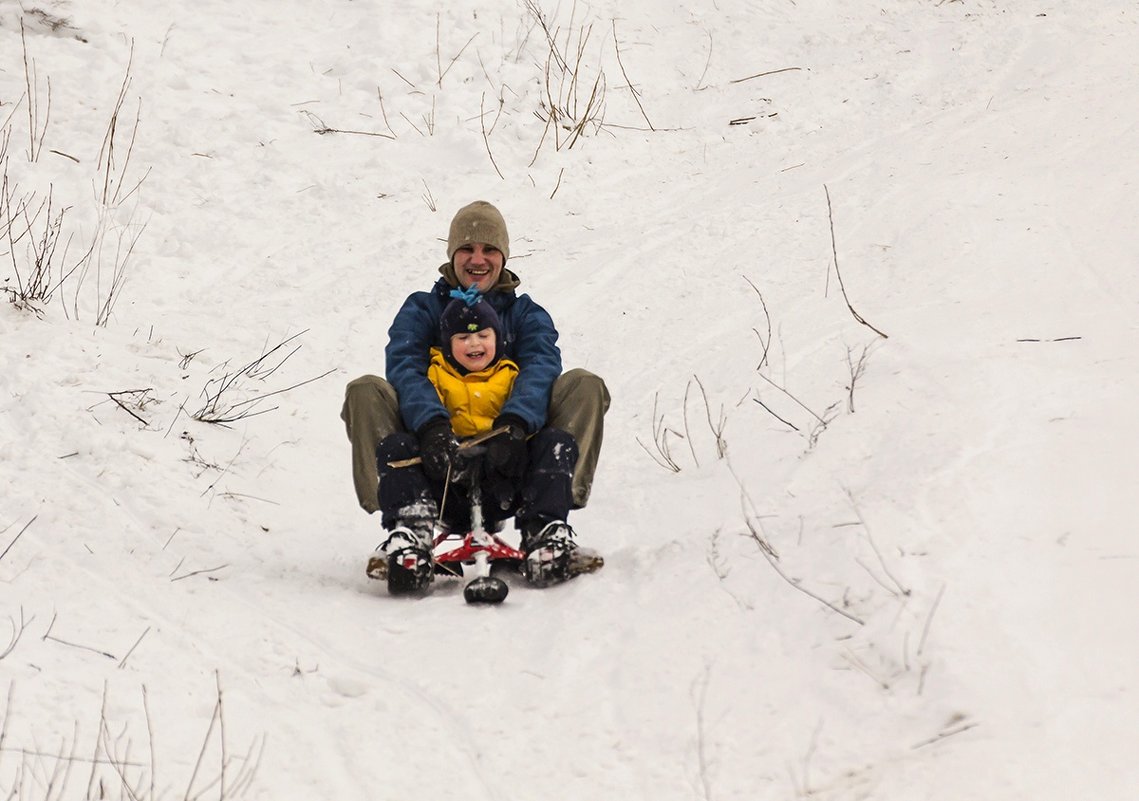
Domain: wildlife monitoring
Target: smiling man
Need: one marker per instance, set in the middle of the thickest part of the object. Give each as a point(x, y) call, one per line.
point(544, 405)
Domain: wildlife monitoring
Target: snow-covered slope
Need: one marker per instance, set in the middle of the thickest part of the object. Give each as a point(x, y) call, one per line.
point(862, 272)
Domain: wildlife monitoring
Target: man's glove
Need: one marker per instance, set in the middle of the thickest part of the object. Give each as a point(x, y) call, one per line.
point(437, 447)
point(507, 452)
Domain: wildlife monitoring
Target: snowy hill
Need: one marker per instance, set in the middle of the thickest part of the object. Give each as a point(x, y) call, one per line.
point(860, 278)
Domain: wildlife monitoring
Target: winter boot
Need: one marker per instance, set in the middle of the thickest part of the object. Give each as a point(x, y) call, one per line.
point(552, 555)
point(404, 560)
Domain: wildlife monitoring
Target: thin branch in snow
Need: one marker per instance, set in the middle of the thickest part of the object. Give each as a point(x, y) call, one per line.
point(700, 690)
point(944, 734)
point(834, 251)
point(699, 84)
point(18, 630)
point(486, 139)
point(773, 414)
point(766, 345)
point(858, 663)
point(756, 533)
point(663, 455)
point(123, 661)
point(48, 636)
point(870, 538)
point(20, 534)
point(856, 371)
point(625, 75)
point(761, 74)
point(929, 620)
point(717, 428)
point(199, 572)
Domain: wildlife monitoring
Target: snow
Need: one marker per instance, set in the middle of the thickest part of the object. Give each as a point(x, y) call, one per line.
point(950, 613)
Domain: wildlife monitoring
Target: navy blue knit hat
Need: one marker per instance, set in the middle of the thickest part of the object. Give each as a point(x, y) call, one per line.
point(467, 313)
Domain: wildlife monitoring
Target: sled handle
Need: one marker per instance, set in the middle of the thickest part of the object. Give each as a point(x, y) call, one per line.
point(464, 445)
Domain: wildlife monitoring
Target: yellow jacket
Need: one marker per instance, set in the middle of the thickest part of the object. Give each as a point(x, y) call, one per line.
point(475, 399)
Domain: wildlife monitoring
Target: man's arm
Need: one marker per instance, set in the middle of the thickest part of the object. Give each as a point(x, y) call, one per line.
point(536, 351)
point(407, 355)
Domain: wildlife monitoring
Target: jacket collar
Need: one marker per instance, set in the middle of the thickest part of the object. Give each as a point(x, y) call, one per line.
point(508, 281)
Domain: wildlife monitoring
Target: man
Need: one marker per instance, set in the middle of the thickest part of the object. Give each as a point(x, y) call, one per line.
point(545, 406)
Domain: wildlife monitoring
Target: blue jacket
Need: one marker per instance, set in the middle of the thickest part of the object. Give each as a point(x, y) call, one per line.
point(530, 340)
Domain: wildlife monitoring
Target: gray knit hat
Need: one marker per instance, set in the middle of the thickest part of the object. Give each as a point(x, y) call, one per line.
point(478, 222)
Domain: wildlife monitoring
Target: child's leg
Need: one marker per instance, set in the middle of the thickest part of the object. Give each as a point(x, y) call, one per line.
point(500, 498)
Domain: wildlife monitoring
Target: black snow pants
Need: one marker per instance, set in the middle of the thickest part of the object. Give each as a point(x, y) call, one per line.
point(408, 496)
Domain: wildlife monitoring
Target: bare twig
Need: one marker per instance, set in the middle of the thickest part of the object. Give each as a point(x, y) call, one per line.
point(220, 409)
point(199, 572)
point(856, 371)
point(486, 139)
point(456, 58)
point(123, 661)
point(106, 160)
point(384, 112)
point(427, 197)
point(700, 690)
point(221, 733)
point(140, 397)
point(36, 133)
point(319, 127)
point(929, 620)
point(717, 428)
point(761, 74)
point(862, 666)
point(18, 630)
point(870, 538)
point(405, 80)
point(48, 636)
point(755, 531)
point(945, 734)
point(560, 107)
point(625, 75)
point(150, 740)
point(699, 84)
point(823, 422)
point(663, 456)
point(20, 534)
point(7, 715)
point(687, 433)
point(202, 753)
point(841, 285)
point(773, 414)
point(766, 345)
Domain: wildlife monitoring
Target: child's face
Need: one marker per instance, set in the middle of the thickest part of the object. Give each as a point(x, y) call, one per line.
point(474, 351)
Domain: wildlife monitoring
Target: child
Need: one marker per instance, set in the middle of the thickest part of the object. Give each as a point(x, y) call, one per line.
point(471, 377)
point(473, 380)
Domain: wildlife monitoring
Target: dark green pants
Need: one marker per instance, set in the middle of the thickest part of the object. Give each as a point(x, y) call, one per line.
point(578, 404)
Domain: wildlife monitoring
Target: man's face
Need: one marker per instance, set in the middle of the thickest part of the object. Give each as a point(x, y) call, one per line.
point(474, 351)
point(478, 265)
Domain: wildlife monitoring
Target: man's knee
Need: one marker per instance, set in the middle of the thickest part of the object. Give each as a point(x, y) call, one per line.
point(368, 386)
point(579, 381)
point(370, 402)
point(576, 391)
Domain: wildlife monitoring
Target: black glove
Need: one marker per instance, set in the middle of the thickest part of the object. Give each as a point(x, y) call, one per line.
point(506, 453)
point(437, 447)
